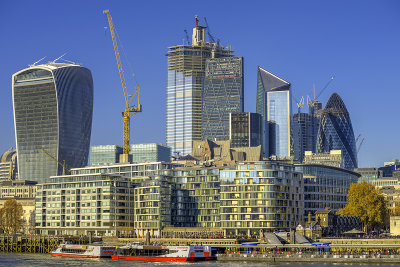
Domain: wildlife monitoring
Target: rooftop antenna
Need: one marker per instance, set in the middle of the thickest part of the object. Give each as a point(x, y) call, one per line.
point(75, 63)
point(54, 61)
point(34, 64)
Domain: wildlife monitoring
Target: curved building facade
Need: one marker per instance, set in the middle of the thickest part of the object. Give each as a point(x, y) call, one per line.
point(53, 106)
point(336, 132)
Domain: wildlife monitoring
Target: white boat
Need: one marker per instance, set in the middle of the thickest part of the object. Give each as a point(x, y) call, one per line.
point(83, 251)
point(136, 252)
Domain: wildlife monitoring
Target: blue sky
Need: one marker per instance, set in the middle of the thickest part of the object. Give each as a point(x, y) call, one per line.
point(304, 42)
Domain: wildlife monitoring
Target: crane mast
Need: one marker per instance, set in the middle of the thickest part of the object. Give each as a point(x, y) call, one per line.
point(129, 110)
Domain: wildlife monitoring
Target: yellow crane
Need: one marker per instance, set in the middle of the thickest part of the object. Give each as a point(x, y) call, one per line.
point(129, 110)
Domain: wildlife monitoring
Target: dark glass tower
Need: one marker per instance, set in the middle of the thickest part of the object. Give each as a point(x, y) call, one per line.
point(273, 103)
point(336, 132)
point(305, 133)
point(222, 94)
point(245, 129)
point(53, 106)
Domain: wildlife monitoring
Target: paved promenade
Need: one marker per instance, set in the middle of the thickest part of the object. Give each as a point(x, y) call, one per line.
point(313, 258)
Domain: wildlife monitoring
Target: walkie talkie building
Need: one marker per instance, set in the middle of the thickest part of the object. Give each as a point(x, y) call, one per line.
point(336, 132)
point(53, 106)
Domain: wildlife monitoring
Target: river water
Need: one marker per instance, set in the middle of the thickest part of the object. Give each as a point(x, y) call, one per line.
point(38, 260)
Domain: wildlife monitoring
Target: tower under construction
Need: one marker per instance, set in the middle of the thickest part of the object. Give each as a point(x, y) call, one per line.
point(186, 71)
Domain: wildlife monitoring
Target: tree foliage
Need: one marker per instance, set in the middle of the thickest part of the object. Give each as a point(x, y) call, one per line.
point(396, 211)
point(368, 203)
point(11, 216)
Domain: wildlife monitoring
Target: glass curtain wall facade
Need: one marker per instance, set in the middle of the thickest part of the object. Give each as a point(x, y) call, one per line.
point(325, 187)
point(105, 154)
point(336, 132)
point(245, 129)
point(186, 71)
point(274, 104)
point(151, 152)
point(53, 105)
point(305, 134)
point(278, 110)
point(222, 94)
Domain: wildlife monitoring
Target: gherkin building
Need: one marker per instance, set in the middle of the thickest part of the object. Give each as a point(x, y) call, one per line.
point(336, 132)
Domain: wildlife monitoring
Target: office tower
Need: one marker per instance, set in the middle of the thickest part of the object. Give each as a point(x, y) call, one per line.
point(336, 132)
point(273, 103)
point(53, 105)
point(105, 154)
point(245, 129)
point(222, 94)
point(305, 133)
point(151, 152)
point(186, 71)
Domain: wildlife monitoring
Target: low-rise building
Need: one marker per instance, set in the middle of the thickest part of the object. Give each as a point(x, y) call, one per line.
point(18, 189)
point(334, 224)
point(368, 175)
point(332, 158)
point(28, 213)
point(150, 152)
point(325, 187)
point(395, 225)
point(222, 153)
point(8, 165)
point(105, 154)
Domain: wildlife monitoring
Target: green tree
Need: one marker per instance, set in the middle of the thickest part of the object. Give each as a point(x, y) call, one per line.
point(368, 203)
point(11, 216)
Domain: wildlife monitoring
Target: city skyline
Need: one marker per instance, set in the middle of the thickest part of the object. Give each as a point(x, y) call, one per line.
point(360, 49)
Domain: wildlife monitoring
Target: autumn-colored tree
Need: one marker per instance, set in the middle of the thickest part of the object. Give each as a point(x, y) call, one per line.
point(396, 211)
point(11, 216)
point(368, 203)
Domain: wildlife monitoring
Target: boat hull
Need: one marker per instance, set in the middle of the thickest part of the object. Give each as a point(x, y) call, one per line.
point(176, 259)
point(76, 255)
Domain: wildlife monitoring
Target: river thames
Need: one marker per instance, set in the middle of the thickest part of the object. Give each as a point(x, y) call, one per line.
point(30, 260)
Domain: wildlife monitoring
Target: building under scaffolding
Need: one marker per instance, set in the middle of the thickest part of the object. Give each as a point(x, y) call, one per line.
point(186, 71)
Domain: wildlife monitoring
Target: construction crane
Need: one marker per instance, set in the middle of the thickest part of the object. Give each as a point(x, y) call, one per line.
point(359, 146)
point(209, 33)
point(187, 37)
point(63, 165)
point(311, 103)
point(129, 110)
point(358, 137)
point(300, 104)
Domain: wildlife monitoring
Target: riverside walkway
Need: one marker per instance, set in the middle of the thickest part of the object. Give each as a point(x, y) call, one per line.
point(313, 258)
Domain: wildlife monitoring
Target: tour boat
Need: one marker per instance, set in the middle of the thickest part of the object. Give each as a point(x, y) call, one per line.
point(83, 251)
point(135, 252)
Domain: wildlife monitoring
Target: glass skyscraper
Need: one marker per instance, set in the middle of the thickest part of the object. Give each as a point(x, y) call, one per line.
point(53, 106)
point(186, 71)
point(245, 129)
point(222, 94)
point(336, 132)
point(274, 104)
point(305, 133)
